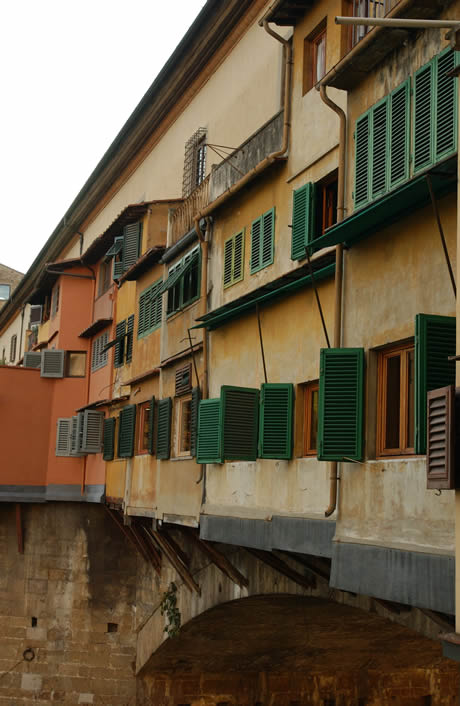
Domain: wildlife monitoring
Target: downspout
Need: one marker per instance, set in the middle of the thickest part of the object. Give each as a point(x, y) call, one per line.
point(333, 478)
point(23, 311)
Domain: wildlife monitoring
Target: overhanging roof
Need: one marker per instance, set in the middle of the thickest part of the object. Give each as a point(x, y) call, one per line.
point(288, 12)
point(47, 279)
point(388, 209)
point(99, 247)
point(287, 284)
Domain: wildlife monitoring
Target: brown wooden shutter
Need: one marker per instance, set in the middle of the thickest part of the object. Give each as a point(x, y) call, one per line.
point(440, 457)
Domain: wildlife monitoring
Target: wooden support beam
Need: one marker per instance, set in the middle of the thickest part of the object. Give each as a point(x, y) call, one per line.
point(178, 550)
point(128, 533)
point(439, 618)
point(393, 607)
point(279, 565)
point(218, 558)
point(19, 531)
point(165, 546)
point(146, 541)
point(316, 566)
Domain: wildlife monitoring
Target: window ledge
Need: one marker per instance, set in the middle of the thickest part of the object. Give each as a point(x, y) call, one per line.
point(182, 458)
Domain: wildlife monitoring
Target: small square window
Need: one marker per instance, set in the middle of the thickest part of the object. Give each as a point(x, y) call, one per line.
point(5, 290)
point(310, 433)
point(396, 401)
point(314, 57)
point(75, 364)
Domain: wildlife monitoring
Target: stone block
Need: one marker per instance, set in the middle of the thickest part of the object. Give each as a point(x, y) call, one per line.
point(36, 634)
point(38, 586)
point(86, 698)
point(31, 682)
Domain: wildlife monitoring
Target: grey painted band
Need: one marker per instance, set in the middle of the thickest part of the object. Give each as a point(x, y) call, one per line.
point(42, 493)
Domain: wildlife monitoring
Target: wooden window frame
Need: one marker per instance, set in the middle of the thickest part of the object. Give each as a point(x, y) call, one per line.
point(68, 355)
point(327, 188)
point(142, 408)
point(176, 299)
point(180, 402)
point(309, 389)
point(55, 301)
point(105, 278)
point(402, 351)
point(310, 55)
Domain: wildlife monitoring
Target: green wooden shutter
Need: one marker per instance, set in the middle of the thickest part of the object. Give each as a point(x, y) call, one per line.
point(362, 157)
point(209, 438)
point(238, 257)
point(196, 396)
point(341, 400)
point(156, 305)
point(131, 244)
point(276, 408)
point(434, 343)
point(268, 237)
point(379, 148)
point(164, 428)
point(399, 143)
point(109, 439)
point(256, 239)
point(142, 322)
point(423, 117)
point(129, 338)
point(119, 356)
point(126, 431)
point(228, 262)
point(303, 222)
point(240, 419)
point(446, 106)
point(151, 438)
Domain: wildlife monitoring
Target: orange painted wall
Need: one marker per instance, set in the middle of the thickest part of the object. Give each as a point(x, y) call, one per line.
point(75, 311)
point(26, 402)
point(69, 394)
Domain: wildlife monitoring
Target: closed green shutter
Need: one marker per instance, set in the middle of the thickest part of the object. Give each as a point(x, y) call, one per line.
point(151, 438)
point(268, 240)
point(129, 338)
point(240, 418)
point(276, 407)
point(435, 338)
point(164, 428)
point(341, 399)
point(117, 269)
point(423, 117)
point(131, 244)
point(126, 431)
point(446, 105)
point(256, 239)
point(303, 211)
point(234, 259)
point(228, 262)
point(209, 438)
point(143, 318)
point(399, 143)
point(379, 148)
point(119, 356)
point(196, 396)
point(362, 160)
point(109, 439)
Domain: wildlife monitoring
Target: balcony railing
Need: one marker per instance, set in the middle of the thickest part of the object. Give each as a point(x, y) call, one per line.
point(182, 218)
point(369, 8)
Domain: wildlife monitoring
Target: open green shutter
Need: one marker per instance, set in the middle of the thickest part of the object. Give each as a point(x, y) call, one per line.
point(434, 343)
point(119, 356)
point(129, 338)
point(228, 261)
point(446, 106)
point(238, 257)
point(240, 421)
point(268, 239)
point(196, 396)
point(143, 322)
point(275, 429)
point(131, 244)
point(209, 438)
point(303, 209)
point(362, 156)
point(379, 148)
point(398, 145)
point(109, 439)
point(151, 439)
point(164, 428)
point(126, 431)
point(341, 400)
point(256, 238)
point(423, 117)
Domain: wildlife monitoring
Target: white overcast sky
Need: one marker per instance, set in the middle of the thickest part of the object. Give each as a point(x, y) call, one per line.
point(72, 72)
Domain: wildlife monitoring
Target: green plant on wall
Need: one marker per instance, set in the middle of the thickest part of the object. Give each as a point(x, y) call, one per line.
point(170, 610)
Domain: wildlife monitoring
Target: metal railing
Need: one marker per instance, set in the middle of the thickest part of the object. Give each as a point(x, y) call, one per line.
point(369, 8)
point(182, 218)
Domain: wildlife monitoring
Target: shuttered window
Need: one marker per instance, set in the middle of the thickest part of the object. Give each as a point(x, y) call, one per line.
point(99, 356)
point(164, 428)
point(151, 437)
point(120, 337)
point(434, 342)
point(129, 338)
point(262, 241)
point(275, 427)
point(76, 434)
point(183, 283)
point(117, 251)
point(126, 429)
point(234, 259)
point(150, 309)
point(32, 359)
point(131, 244)
point(52, 363)
point(109, 438)
point(303, 220)
point(341, 399)
point(441, 433)
point(209, 441)
point(91, 442)
point(63, 436)
point(196, 396)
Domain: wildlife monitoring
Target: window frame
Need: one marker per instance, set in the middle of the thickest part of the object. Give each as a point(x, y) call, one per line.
point(105, 277)
point(401, 350)
point(68, 354)
point(310, 56)
point(309, 389)
point(179, 286)
point(55, 301)
point(142, 408)
point(180, 403)
point(4, 284)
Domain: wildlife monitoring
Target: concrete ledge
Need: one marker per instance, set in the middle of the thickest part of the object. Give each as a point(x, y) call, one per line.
point(22, 493)
point(93, 493)
point(413, 578)
point(292, 534)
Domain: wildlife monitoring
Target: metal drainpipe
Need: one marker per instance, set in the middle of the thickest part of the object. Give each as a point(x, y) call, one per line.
point(333, 478)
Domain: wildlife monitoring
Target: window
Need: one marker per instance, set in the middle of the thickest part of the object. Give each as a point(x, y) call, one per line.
point(99, 356)
point(105, 277)
point(126, 429)
point(163, 433)
point(396, 401)
point(194, 162)
point(13, 343)
point(119, 342)
point(183, 283)
point(310, 424)
point(109, 438)
point(129, 338)
point(150, 309)
point(183, 381)
point(55, 301)
point(144, 427)
point(75, 364)
point(314, 57)
point(326, 203)
point(276, 420)
point(5, 290)
point(125, 249)
point(262, 241)
point(234, 259)
point(184, 425)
